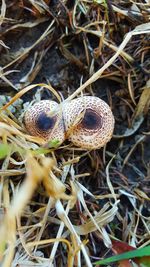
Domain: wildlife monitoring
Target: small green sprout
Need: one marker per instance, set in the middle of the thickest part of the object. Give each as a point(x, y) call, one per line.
point(4, 150)
point(54, 143)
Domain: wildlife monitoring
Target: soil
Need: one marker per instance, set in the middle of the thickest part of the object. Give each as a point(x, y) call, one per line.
point(65, 58)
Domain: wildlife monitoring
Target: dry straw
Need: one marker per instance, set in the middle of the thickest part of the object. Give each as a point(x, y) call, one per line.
point(40, 168)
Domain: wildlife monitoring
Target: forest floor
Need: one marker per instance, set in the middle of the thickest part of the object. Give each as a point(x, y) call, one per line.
point(99, 48)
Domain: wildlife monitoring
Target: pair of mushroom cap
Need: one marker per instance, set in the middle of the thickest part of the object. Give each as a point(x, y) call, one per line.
point(86, 121)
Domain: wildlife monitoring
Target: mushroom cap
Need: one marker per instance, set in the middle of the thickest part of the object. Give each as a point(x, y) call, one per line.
point(43, 120)
point(89, 122)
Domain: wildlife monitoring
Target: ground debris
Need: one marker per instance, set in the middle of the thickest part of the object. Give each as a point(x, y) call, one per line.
point(61, 206)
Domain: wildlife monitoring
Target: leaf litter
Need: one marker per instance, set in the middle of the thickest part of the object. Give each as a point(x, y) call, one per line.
point(63, 206)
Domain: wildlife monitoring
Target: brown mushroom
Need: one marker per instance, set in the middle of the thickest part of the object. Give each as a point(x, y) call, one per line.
point(44, 120)
point(86, 121)
point(89, 122)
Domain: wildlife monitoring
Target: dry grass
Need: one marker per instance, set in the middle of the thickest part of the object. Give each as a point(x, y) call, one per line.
point(62, 206)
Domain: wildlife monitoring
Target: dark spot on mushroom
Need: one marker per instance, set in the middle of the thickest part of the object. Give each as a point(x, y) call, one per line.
point(45, 123)
point(91, 120)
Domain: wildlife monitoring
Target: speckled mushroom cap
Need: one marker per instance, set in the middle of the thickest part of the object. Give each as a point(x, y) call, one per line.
point(42, 120)
point(89, 122)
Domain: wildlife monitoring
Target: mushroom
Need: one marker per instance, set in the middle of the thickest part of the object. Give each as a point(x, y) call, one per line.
point(44, 120)
point(89, 122)
point(86, 121)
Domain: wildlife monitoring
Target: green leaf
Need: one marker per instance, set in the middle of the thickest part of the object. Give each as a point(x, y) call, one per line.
point(138, 253)
point(53, 143)
point(4, 150)
point(99, 1)
point(2, 248)
point(41, 150)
